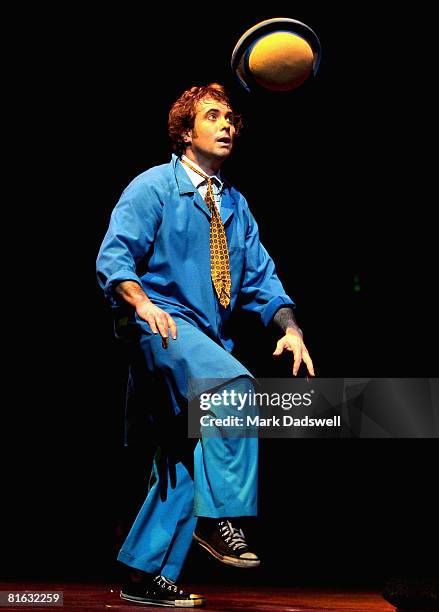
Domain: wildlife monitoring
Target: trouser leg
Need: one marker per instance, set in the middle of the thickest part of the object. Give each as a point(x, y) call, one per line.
point(161, 534)
point(225, 468)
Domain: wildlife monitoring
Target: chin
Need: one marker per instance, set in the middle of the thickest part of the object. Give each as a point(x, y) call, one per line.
point(223, 154)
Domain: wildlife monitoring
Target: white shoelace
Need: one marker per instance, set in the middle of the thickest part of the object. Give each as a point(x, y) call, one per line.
point(233, 536)
point(167, 584)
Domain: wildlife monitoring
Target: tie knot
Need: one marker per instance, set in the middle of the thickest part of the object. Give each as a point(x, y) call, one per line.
point(212, 181)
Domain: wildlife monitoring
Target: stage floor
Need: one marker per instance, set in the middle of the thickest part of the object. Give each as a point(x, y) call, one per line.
point(94, 596)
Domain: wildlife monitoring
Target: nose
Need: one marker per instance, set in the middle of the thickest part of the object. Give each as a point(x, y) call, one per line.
point(225, 125)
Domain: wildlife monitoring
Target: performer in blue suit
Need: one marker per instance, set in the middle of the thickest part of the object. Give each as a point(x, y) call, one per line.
point(181, 247)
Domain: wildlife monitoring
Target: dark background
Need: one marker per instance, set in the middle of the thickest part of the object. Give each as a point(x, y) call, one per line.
point(336, 174)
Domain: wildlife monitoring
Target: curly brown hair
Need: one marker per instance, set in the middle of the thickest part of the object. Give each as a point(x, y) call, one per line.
point(182, 114)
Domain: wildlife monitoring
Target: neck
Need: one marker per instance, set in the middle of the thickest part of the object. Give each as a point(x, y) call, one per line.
point(209, 166)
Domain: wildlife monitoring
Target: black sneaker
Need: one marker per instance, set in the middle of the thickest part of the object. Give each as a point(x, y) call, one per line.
point(225, 542)
point(160, 591)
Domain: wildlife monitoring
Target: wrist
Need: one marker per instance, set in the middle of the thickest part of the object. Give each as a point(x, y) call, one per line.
point(132, 293)
point(293, 329)
point(140, 300)
point(284, 318)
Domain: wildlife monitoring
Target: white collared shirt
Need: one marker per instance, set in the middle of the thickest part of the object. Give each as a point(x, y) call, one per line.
point(201, 184)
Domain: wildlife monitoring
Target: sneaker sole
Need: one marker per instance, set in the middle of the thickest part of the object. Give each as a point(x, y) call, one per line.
point(178, 603)
point(241, 563)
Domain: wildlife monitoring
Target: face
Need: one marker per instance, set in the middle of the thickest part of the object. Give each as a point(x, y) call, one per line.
point(211, 138)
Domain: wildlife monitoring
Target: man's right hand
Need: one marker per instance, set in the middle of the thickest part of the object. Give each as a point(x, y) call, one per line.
point(158, 320)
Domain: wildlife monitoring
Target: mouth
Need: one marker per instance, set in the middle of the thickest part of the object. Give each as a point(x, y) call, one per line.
point(225, 140)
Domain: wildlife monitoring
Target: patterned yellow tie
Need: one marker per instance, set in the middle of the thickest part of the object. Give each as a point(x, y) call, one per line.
point(219, 253)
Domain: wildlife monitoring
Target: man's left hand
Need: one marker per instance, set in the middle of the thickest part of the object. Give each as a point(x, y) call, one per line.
point(293, 341)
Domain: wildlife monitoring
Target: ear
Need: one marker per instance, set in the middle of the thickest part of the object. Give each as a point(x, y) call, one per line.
point(187, 137)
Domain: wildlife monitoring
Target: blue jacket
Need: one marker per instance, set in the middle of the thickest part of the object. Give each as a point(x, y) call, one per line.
point(159, 237)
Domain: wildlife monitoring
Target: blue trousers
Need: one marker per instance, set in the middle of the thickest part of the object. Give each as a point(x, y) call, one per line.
point(213, 477)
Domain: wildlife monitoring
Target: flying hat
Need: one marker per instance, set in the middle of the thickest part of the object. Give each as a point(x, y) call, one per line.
point(277, 54)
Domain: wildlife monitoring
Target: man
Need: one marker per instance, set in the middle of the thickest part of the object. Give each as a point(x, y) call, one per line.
point(182, 245)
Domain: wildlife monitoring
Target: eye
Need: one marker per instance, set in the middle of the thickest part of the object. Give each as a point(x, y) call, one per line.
point(211, 116)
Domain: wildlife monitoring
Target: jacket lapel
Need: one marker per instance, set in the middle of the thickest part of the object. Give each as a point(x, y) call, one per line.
point(198, 201)
point(227, 204)
point(185, 186)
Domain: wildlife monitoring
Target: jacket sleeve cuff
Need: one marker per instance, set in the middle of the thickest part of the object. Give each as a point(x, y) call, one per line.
point(273, 306)
point(118, 277)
